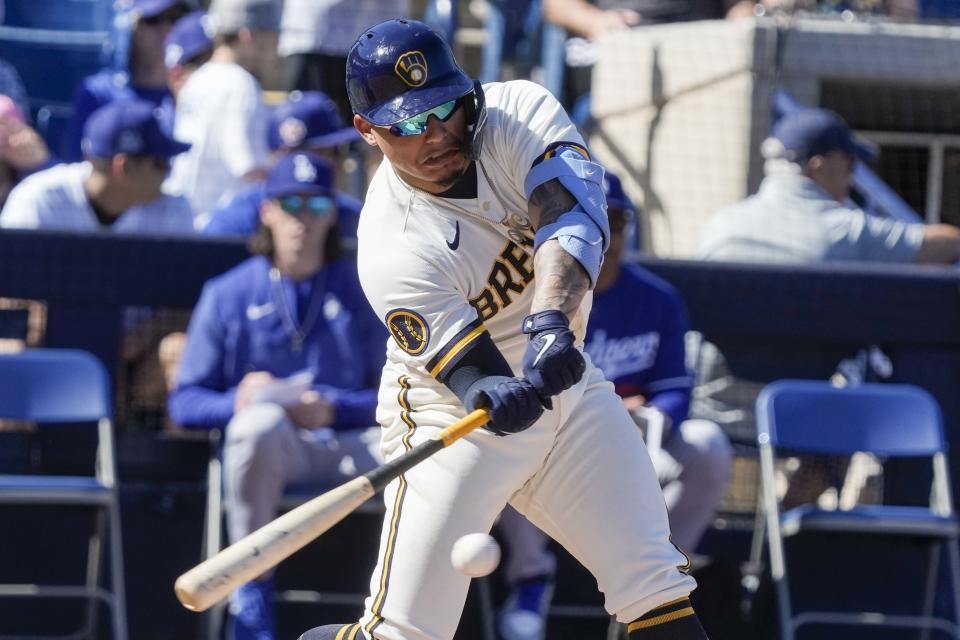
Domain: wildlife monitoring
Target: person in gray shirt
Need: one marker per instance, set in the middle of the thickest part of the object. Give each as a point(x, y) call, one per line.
point(803, 211)
point(803, 214)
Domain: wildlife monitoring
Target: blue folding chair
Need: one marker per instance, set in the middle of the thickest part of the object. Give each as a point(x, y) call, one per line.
point(888, 421)
point(65, 386)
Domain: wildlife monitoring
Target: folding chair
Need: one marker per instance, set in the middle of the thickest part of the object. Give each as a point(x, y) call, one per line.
point(889, 421)
point(65, 386)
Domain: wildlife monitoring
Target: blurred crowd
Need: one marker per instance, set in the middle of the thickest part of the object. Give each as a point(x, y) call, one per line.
point(179, 137)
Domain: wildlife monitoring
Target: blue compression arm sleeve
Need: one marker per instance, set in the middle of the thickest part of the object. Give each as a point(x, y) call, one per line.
point(584, 231)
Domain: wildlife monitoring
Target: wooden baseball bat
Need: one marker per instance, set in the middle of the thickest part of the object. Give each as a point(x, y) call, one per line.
point(215, 578)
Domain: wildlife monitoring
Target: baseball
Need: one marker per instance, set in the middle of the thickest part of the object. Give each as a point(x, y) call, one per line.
point(475, 555)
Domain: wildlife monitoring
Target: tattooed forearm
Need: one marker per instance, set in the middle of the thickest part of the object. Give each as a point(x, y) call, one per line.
point(548, 202)
point(561, 281)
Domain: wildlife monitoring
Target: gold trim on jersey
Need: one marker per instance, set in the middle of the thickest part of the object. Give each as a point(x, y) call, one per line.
point(668, 612)
point(685, 567)
point(582, 150)
point(455, 347)
point(352, 629)
point(377, 607)
point(652, 622)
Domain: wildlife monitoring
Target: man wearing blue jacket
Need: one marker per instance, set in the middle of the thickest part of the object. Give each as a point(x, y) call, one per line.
point(283, 352)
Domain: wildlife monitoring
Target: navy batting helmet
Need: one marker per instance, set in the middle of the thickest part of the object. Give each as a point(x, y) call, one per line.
point(400, 68)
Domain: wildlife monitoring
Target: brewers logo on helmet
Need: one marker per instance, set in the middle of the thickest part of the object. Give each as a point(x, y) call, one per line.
point(412, 68)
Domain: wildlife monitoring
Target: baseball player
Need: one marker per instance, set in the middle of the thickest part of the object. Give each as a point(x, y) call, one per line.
point(481, 187)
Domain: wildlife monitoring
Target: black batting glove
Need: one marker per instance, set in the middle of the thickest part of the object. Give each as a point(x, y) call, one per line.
point(513, 403)
point(551, 362)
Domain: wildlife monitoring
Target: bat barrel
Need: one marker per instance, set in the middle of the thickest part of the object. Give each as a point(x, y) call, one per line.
point(215, 578)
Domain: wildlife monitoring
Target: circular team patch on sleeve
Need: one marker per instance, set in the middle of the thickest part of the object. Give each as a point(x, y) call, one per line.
point(409, 329)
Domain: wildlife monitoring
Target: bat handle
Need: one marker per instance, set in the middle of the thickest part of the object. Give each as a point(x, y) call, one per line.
point(474, 419)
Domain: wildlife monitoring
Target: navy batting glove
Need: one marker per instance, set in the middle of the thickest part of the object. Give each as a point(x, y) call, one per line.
point(513, 403)
point(551, 362)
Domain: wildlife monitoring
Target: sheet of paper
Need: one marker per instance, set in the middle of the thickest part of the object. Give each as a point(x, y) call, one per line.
point(285, 392)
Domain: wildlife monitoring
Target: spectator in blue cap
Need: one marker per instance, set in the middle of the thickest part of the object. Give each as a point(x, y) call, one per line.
point(804, 212)
point(284, 353)
point(306, 121)
point(187, 47)
point(636, 335)
point(137, 71)
point(117, 188)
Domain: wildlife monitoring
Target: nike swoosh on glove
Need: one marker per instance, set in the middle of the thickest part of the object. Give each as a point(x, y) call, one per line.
point(513, 403)
point(551, 362)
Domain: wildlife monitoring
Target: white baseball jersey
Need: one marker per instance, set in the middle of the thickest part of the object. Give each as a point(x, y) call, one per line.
point(55, 199)
point(439, 272)
point(221, 113)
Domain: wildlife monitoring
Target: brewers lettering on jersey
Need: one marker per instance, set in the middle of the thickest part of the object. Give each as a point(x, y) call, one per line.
point(479, 241)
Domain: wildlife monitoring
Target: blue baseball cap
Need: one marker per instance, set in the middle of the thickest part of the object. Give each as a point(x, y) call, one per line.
point(191, 36)
point(816, 132)
point(299, 173)
point(616, 196)
point(308, 118)
point(131, 127)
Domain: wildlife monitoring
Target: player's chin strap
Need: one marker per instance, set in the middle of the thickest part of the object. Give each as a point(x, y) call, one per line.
point(476, 119)
point(584, 231)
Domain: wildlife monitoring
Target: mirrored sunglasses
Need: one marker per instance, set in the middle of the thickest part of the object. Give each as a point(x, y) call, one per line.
point(415, 125)
point(319, 206)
